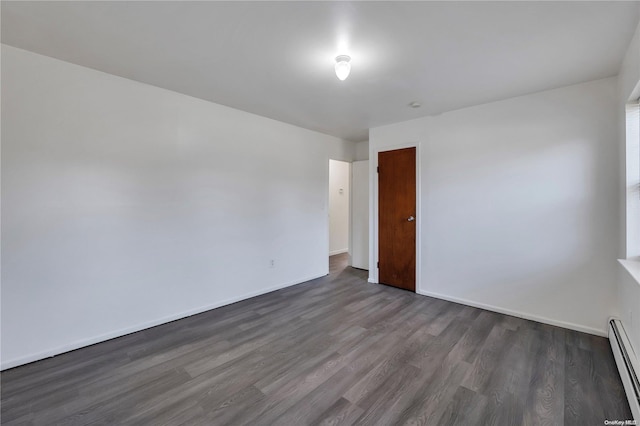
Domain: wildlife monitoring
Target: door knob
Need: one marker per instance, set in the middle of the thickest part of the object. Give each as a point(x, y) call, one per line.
point(411, 219)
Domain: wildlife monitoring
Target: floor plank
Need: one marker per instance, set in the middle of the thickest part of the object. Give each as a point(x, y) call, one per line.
point(332, 351)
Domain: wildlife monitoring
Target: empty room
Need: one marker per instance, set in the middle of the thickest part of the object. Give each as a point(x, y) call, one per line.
point(320, 213)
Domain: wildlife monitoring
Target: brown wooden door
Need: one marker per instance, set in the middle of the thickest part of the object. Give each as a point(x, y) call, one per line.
point(396, 218)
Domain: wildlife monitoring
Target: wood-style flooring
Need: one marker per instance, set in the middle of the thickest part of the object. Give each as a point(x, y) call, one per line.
point(332, 351)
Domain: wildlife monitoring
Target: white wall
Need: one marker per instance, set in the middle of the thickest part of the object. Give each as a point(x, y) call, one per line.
point(518, 204)
point(360, 214)
point(628, 301)
point(629, 307)
point(630, 69)
point(629, 90)
point(362, 151)
point(125, 205)
point(339, 199)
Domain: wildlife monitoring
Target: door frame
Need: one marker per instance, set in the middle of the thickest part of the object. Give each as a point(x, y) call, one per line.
point(373, 210)
point(326, 206)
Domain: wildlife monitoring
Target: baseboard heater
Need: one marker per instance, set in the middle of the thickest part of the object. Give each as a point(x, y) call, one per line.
point(627, 363)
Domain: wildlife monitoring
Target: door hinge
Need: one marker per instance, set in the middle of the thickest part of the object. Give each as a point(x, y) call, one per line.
point(378, 169)
point(378, 266)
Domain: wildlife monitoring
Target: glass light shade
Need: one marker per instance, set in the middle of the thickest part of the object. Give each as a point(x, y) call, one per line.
point(343, 67)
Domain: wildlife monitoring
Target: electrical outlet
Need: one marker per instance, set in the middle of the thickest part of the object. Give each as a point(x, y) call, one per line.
point(272, 264)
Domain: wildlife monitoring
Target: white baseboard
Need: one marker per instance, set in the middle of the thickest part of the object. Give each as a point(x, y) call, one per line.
point(544, 320)
point(339, 251)
point(139, 327)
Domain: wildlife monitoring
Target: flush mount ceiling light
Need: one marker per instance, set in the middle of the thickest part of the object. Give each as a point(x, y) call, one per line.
point(343, 67)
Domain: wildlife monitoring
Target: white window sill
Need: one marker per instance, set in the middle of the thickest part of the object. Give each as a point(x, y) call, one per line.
point(632, 266)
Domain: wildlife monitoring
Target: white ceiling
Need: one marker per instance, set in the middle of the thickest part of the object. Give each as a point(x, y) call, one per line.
point(275, 59)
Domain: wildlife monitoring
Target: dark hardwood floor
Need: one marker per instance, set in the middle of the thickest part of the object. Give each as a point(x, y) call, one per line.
point(331, 351)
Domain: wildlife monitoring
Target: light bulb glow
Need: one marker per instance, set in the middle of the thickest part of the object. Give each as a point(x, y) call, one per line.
point(343, 67)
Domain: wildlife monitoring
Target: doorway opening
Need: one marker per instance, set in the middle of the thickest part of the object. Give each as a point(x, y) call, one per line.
point(339, 209)
point(397, 218)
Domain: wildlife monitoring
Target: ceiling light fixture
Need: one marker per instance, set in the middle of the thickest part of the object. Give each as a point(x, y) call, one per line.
point(415, 104)
point(343, 67)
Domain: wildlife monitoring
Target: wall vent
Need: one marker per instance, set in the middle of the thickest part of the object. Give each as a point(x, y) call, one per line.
point(627, 363)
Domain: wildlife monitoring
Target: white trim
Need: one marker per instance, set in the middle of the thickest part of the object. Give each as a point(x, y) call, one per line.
point(373, 196)
point(123, 332)
point(350, 237)
point(632, 266)
point(632, 179)
point(373, 228)
point(339, 251)
point(544, 320)
point(327, 222)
